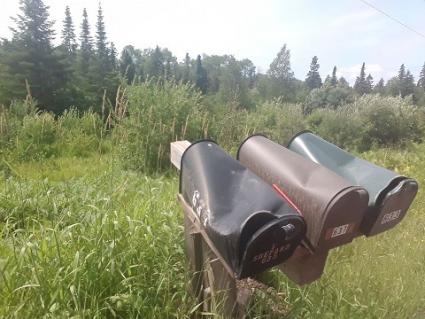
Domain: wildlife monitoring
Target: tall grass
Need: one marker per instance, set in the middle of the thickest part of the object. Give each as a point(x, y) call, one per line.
point(84, 238)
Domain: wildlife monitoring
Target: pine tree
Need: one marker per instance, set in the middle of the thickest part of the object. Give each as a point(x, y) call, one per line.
point(369, 84)
point(201, 76)
point(379, 88)
point(113, 56)
point(186, 70)
point(127, 66)
point(101, 40)
point(342, 82)
point(421, 81)
point(68, 33)
point(334, 79)
point(30, 57)
point(86, 44)
point(313, 79)
point(405, 82)
point(361, 86)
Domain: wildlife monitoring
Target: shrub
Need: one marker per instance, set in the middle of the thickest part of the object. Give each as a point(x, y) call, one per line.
point(36, 137)
point(278, 120)
point(158, 113)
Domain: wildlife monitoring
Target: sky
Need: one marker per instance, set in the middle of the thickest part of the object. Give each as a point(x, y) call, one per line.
point(344, 33)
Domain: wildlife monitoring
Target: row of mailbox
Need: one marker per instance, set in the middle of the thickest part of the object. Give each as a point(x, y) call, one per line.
point(289, 206)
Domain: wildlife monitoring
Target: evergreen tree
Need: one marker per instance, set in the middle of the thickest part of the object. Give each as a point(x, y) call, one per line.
point(86, 44)
point(379, 88)
point(313, 79)
point(342, 82)
point(156, 63)
point(408, 84)
point(68, 33)
point(101, 40)
point(30, 57)
point(334, 79)
point(369, 84)
point(201, 76)
point(127, 66)
point(361, 85)
point(113, 56)
point(421, 81)
point(186, 68)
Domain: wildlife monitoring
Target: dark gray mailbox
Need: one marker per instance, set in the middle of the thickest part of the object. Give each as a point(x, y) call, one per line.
point(251, 226)
point(333, 208)
point(390, 194)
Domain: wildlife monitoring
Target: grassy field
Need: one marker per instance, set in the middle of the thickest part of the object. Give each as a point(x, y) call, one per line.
point(84, 238)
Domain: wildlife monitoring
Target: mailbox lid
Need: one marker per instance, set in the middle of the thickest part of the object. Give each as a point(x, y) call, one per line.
point(324, 197)
point(236, 208)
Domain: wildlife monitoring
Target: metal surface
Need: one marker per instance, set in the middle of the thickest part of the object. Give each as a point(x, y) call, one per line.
point(390, 194)
point(251, 226)
point(332, 207)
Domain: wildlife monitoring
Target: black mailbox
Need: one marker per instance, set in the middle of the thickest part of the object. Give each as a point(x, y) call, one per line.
point(333, 208)
point(251, 226)
point(390, 194)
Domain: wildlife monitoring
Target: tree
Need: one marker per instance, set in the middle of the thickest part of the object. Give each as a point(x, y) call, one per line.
point(379, 88)
point(101, 40)
point(201, 76)
point(86, 44)
point(30, 57)
point(342, 82)
point(186, 68)
point(421, 81)
point(406, 85)
point(361, 86)
point(282, 81)
point(334, 79)
point(112, 56)
point(313, 80)
point(68, 34)
point(127, 66)
point(369, 83)
point(280, 68)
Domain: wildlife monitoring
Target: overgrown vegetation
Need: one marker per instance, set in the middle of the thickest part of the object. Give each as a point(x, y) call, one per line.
point(89, 224)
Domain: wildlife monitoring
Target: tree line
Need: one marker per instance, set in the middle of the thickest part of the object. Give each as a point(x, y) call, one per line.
point(84, 70)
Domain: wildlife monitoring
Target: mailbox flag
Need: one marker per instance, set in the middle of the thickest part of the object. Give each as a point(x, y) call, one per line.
point(333, 208)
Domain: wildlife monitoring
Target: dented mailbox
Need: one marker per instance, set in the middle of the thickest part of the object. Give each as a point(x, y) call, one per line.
point(390, 194)
point(251, 226)
point(332, 207)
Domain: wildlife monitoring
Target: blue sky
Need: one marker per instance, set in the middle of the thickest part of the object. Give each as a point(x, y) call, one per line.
point(344, 33)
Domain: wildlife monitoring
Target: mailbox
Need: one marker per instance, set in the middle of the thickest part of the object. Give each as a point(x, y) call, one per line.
point(250, 225)
point(333, 208)
point(390, 194)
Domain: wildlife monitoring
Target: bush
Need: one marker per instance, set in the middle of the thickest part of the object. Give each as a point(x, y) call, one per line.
point(36, 138)
point(158, 113)
point(370, 121)
point(278, 120)
point(81, 135)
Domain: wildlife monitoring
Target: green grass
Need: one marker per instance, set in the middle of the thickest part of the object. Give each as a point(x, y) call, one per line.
point(82, 238)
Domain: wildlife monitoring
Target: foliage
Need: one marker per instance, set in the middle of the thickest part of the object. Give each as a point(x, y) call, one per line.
point(158, 113)
point(313, 79)
point(82, 238)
